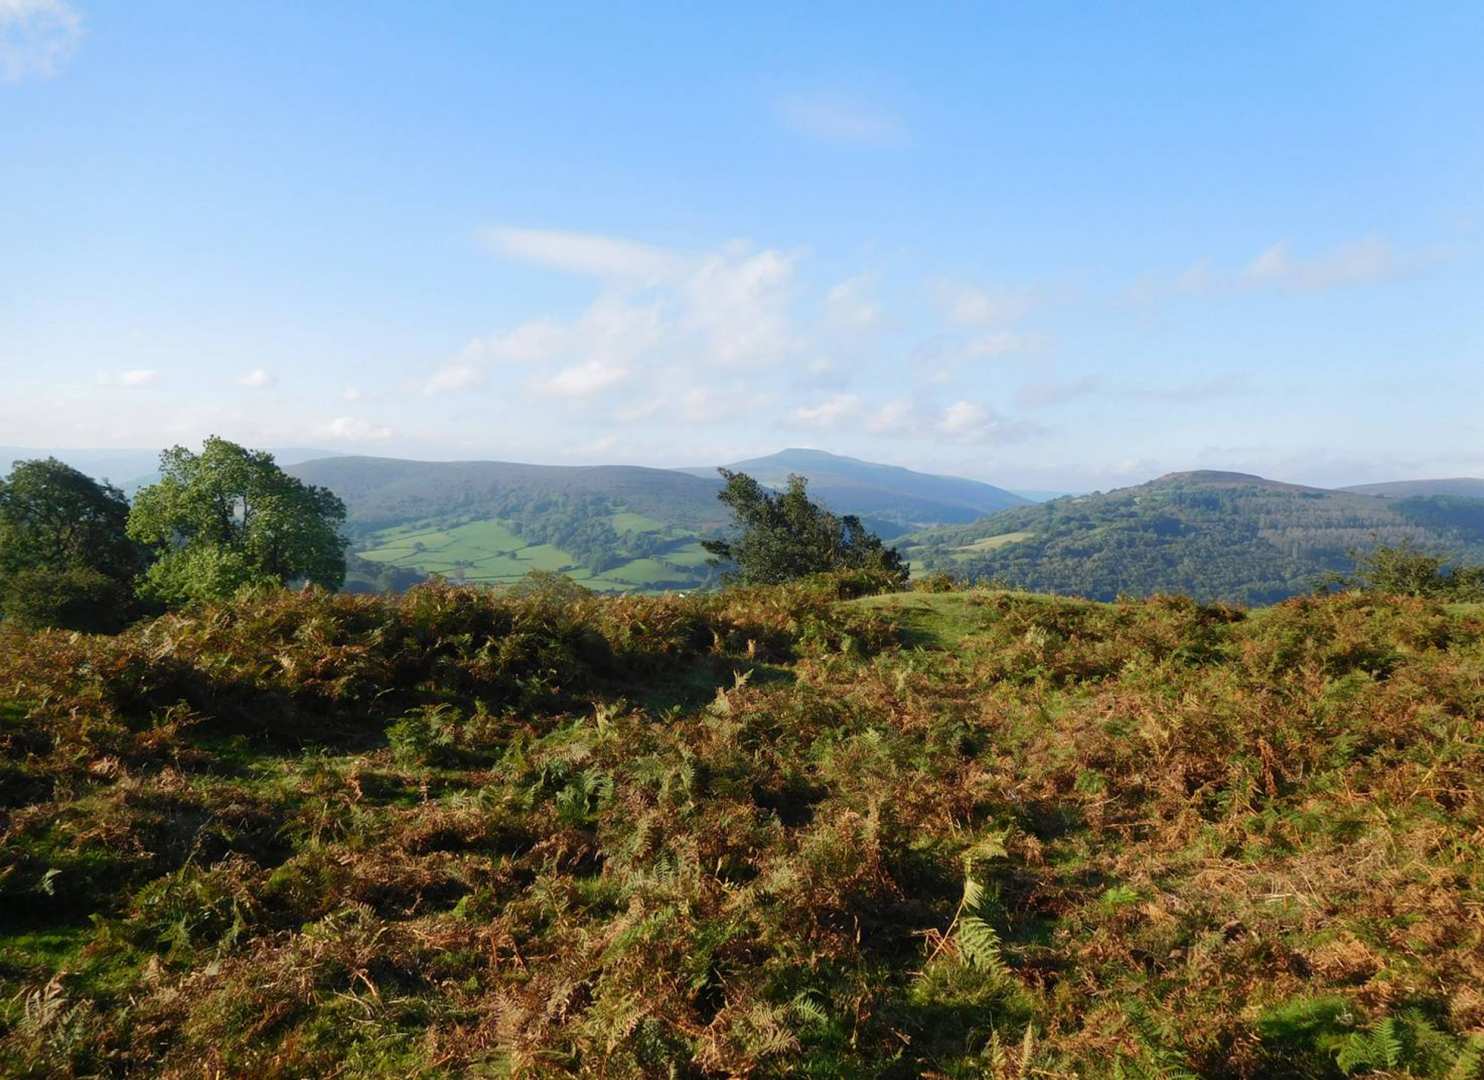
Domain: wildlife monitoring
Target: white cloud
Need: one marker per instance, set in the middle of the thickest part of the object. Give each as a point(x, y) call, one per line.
point(849, 305)
point(136, 377)
point(36, 37)
point(837, 119)
point(352, 393)
point(584, 380)
point(970, 305)
point(1368, 260)
point(660, 314)
point(584, 253)
point(355, 429)
point(968, 421)
point(454, 376)
point(738, 304)
point(258, 378)
point(898, 417)
point(1000, 343)
point(829, 413)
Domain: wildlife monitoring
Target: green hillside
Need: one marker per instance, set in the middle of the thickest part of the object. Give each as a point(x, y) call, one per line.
point(890, 499)
point(1213, 535)
point(490, 552)
point(1463, 486)
point(613, 528)
point(771, 832)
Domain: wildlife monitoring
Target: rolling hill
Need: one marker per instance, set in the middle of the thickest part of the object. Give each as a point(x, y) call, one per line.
point(1467, 487)
point(890, 499)
point(614, 528)
point(1213, 535)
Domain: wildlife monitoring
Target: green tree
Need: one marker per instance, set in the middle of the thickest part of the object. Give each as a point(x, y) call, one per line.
point(65, 557)
point(783, 535)
point(229, 517)
point(1406, 570)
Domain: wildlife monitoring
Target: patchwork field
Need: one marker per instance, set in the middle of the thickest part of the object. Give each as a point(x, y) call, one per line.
point(490, 553)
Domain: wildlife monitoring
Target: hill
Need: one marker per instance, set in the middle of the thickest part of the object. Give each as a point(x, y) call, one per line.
point(756, 833)
point(611, 527)
point(1213, 535)
point(1462, 486)
point(890, 499)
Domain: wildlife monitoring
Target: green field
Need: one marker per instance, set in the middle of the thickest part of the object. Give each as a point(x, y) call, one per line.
point(991, 543)
point(490, 553)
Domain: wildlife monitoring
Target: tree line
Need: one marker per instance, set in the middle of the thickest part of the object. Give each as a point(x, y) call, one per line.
point(74, 554)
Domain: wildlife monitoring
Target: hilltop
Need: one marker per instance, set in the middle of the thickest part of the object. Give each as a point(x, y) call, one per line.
point(890, 499)
point(762, 832)
point(1463, 486)
point(1213, 535)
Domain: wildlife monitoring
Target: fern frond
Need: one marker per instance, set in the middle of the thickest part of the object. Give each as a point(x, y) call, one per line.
point(980, 945)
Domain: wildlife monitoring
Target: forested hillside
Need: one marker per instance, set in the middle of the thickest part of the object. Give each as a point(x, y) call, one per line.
point(1465, 486)
point(1212, 535)
point(612, 527)
point(762, 832)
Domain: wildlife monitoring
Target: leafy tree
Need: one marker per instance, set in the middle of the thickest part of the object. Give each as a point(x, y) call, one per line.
point(229, 517)
point(1406, 570)
point(783, 535)
point(65, 557)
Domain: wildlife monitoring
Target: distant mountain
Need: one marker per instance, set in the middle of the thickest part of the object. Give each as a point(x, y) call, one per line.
point(1213, 535)
point(1464, 486)
point(889, 498)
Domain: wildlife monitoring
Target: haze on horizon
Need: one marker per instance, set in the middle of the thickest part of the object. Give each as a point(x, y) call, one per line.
point(1046, 248)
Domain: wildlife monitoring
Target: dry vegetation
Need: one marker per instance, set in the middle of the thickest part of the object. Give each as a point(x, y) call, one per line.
point(761, 833)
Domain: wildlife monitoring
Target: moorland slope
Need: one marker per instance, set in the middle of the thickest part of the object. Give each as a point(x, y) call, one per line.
point(761, 832)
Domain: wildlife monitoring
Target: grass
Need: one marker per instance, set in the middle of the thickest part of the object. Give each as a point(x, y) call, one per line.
point(491, 553)
point(992, 543)
point(789, 831)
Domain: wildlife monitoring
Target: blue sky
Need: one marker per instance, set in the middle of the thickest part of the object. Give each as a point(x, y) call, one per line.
point(1043, 245)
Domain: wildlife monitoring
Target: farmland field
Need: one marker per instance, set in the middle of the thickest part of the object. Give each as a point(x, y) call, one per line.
point(489, 552)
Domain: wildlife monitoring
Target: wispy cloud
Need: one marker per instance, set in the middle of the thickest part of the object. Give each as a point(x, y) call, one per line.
point(454, 376)
point(36, 37)
point(837, 118)
point(1364, 261)
point(973, 305)
point(1368, 261)
point(584, 253)
point(850, 305)
point(257, 379)
point(656, 309)
point(135, 377)
point(960, 421)
point(355, 429)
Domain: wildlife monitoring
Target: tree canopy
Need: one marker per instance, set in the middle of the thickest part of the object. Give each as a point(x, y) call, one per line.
point(65, 557)
point(783, 535)
point(229, 517)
